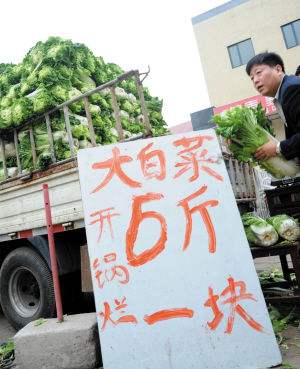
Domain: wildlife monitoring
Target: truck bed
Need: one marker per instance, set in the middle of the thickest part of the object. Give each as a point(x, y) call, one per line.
point(22, 202)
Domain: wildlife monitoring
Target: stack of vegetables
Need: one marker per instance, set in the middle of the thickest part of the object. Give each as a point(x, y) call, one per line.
point(247, 129)
point(267, 232)
point(51, 73)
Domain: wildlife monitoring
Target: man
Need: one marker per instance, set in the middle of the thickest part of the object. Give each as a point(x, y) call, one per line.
point(297, 73)
point(267, 73)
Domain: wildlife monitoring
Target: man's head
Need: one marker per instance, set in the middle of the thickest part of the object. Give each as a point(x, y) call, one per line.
point(266, 71)
point(297, 73)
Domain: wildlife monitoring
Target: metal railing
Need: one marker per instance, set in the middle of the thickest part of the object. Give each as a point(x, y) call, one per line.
point(64, 107)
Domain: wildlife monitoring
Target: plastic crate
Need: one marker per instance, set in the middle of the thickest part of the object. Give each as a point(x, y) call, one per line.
point(284, 200)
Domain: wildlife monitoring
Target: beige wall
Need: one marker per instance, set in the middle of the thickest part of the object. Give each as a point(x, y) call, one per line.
point(259, 20)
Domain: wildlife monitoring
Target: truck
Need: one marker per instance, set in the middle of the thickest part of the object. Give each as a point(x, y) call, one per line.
point(26, 285)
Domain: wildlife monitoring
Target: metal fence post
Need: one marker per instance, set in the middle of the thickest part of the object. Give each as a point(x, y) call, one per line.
point(53, 259)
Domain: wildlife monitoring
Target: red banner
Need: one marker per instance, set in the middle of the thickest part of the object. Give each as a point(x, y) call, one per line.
point(252, 102)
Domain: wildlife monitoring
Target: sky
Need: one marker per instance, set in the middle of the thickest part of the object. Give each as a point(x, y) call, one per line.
point(133, 34)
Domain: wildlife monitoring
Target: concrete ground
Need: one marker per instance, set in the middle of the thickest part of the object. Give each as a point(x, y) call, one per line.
point(262, 264)
point(290, 347)
point(6, 330)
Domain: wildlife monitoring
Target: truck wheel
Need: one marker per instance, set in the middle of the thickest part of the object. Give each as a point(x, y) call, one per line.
point(26, 287)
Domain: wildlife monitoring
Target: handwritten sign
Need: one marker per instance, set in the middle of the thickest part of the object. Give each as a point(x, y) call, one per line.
point(174, 282)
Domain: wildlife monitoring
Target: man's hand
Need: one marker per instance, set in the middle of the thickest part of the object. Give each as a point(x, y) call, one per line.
point(266, 151)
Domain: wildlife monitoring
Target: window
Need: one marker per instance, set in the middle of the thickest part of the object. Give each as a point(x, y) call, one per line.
point(291, 34)
point(241, 53)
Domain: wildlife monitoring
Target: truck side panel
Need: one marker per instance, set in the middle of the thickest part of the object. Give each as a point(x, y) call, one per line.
point(22, 205)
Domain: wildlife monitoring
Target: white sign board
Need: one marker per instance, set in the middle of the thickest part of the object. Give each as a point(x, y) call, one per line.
point(173, 277)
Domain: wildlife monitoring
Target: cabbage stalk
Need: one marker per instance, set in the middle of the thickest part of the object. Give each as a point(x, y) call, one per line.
point(287, 227)
point(258, 231)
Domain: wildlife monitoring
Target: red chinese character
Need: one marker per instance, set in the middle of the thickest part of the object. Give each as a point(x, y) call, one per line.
point(168, 314)
point(101, 219)
point(212, 303)
point(106, 315)
point(202, 209)
point(192, 158)
point(269, 105)
point(251, 103)
point(233, 300)
point(108, 275)
point(137, 216)
point(145, 158)
point(114, 166)
point(270, 109)
point(269, 101)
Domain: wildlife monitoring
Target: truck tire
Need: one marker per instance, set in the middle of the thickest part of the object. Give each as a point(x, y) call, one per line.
point(26, 287)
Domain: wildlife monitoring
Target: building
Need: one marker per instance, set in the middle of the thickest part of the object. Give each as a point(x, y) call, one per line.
point(181, 128)
point(229, 35)
point(199, 120)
